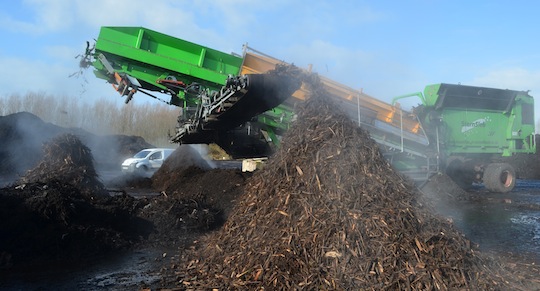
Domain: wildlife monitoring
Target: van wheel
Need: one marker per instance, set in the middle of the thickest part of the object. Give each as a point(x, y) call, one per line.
point(142, 170)
point(499, 177)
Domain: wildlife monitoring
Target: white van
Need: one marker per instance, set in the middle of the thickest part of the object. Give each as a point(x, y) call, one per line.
point(147, 160)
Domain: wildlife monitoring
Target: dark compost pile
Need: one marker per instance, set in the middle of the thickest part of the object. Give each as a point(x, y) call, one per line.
point(186, 175)
point(60, 211)
point(178, 171)
point(194, 197)
point(329, 212)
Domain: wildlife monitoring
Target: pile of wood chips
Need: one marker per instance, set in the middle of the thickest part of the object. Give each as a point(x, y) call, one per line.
point(68, 160)
point(329, 213)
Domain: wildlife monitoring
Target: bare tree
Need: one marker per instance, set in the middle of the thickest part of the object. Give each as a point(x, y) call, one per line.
point(14, 104)
point(152, 121)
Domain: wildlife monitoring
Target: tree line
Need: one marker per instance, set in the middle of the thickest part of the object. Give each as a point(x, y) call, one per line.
point(152, 121)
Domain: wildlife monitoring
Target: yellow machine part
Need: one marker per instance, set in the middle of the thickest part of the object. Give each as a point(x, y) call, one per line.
point(257, 63)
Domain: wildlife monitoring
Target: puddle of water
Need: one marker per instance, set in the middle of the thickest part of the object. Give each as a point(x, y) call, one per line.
point(529, 223)
point(130, 270)
point(508, 223)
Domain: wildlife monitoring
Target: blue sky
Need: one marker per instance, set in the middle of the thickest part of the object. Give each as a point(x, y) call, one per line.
point(387, 48)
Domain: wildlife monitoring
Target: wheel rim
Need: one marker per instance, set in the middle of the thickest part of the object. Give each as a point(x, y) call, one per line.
point(507, 178)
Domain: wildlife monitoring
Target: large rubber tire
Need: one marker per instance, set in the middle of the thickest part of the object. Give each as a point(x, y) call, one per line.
point(499, 177)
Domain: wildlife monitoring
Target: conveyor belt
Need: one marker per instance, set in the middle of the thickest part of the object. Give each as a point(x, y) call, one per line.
point(263, 92)
point(236, 104)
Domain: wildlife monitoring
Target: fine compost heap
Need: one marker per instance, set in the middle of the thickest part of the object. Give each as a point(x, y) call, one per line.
point(329, 212)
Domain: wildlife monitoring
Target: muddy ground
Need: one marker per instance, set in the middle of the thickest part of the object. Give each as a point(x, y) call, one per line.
point(298, 223)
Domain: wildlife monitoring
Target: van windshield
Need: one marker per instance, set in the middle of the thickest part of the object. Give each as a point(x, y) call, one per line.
point(142, 154)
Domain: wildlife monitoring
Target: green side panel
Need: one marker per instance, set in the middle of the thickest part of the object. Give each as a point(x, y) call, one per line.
point(477, 120)
point(474, 132)
point(149, 55)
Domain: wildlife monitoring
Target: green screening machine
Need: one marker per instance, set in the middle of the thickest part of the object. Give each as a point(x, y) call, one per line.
point(218, 104)
point(473, 129)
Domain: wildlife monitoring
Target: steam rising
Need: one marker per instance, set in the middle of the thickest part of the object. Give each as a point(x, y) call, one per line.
point(23, 135)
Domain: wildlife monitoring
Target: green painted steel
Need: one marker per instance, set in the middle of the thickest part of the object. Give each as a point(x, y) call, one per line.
point(472, 128)
point(149, 56)
point(279, 117)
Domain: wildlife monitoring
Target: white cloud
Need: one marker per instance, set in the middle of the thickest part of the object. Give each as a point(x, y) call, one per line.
point(11, 24)
point(514, 78)
point(165, 16)
point(42, 16)
point(25, 76)
point(33, 75)
point(51, 16)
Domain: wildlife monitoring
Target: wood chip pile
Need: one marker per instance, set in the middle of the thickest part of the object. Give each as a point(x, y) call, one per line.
point(329, 212)
point(67, 159)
